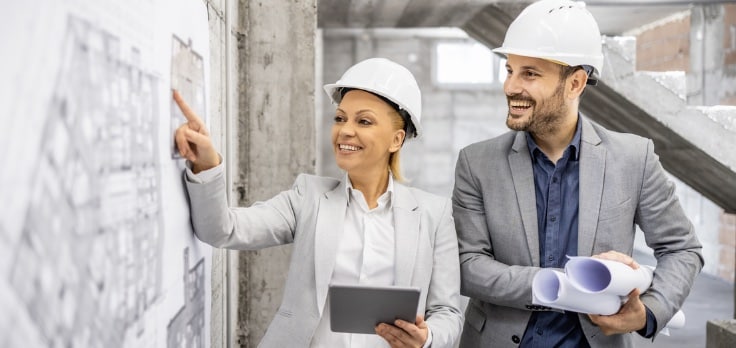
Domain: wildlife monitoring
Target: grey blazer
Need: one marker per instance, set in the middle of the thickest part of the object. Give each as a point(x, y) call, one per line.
point(311, 216)
point(621, 184)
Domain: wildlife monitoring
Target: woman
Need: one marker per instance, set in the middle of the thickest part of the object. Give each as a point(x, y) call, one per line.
point(367, 228)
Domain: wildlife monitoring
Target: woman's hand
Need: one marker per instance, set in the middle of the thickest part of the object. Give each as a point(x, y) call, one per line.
point(193, 139)
point(404, 334)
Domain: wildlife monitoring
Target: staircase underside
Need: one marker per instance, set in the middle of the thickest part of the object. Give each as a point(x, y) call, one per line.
point(679, 156)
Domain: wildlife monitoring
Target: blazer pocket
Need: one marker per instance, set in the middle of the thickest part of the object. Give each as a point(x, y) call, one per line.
point(475, 317)
point(608, 213)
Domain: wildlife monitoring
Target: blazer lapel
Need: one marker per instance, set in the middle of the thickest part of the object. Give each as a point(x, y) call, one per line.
point(592, 169)
point(327, 235)
point(407, 231)
point(523, 178)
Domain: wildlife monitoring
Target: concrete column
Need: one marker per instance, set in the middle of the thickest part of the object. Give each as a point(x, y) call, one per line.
point(221, 15)
point(275, 137)
point(706, 55)
point(720, 334)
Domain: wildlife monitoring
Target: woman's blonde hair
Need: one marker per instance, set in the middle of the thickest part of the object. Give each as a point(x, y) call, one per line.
point(394, 163)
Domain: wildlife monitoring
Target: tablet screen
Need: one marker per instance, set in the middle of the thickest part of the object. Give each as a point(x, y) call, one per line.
point(359, 308)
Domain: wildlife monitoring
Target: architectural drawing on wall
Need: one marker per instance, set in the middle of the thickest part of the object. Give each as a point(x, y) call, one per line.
point(187, 76)
point(92, 239)
point(185, 329)
point(88, 264)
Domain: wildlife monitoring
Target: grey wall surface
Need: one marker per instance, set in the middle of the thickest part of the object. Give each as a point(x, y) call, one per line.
point(261, 108)
point(275, 137)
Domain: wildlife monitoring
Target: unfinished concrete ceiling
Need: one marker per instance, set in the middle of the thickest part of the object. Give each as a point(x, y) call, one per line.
point(614, 16)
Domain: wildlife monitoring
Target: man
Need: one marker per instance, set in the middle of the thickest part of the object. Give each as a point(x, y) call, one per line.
point(558, 185)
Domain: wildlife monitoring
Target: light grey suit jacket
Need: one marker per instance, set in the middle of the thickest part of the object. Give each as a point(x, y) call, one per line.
point(621, 184)
point(311, 215)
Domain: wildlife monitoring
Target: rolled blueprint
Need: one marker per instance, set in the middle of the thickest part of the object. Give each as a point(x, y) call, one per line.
point(606, 276)
point(594, 286)
point(552, 288)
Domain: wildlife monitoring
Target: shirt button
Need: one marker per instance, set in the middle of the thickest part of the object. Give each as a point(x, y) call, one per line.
point(551, 258)
point(554, 218)
point(539, 331)
point(554, 180)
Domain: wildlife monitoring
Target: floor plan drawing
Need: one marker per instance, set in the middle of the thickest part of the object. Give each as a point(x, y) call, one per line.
point(185, 329)
point(101, 253)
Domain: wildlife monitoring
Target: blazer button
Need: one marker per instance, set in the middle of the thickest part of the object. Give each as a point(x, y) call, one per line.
point(515, 339)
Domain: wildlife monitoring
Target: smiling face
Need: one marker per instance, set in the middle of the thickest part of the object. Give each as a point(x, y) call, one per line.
point(535, 91)
point(365, 133)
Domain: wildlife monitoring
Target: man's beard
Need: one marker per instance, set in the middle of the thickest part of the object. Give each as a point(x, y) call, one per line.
point(546, 117)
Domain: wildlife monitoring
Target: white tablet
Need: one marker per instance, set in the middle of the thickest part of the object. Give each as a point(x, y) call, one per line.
point(359, 308)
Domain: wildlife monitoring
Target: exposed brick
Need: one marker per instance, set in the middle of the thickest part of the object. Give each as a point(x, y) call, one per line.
point(664, 48)
point(726, 264)
point(729, 219)
point(726, 237)
point(729, 58)
point(730, 100)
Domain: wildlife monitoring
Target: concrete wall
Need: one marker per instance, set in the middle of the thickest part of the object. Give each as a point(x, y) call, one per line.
point(729, 52)
point(261, 107)
point(702, 43)
point(275, 137)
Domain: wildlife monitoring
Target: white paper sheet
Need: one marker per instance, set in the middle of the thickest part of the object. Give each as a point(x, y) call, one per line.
point(552, 288)
point(606, 276)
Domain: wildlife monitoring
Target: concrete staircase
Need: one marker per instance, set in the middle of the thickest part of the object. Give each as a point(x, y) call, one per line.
point(696, 144)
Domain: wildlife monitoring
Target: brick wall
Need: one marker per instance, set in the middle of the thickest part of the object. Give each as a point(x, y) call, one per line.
point(665, 47)
point(727, 239)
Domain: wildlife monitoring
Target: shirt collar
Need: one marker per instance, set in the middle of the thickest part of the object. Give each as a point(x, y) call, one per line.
point(384, 198)
point(574, 145)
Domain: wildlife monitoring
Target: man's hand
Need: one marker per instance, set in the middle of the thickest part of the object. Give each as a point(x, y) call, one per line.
point(633, 315)
point(404, 334)
point(193, 139)
point(617, 256)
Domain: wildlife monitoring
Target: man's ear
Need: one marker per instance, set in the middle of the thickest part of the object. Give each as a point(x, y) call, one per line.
point(576, 83)
point(398, 140)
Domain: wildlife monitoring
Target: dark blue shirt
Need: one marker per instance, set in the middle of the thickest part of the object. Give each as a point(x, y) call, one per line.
point(556, 187)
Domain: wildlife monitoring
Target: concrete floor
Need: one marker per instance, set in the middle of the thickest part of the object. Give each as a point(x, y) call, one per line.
point(710, 299)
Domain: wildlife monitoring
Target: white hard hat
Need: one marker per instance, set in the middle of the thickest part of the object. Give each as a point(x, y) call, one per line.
point(387, 79)
point(558, 30)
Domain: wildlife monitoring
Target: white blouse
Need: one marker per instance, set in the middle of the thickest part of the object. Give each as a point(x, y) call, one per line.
point(366, 255)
